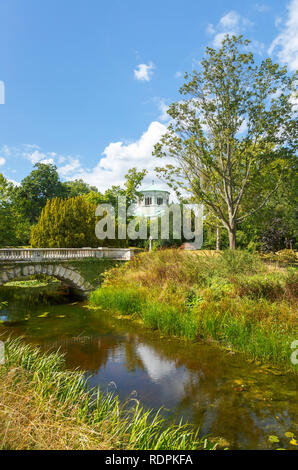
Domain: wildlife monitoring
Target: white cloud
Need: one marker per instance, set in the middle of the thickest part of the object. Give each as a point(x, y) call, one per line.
point(118, 158)
point(115, 161)
point(34, 154)
point(163, 108)
point(261, 7)
point(257, 46)
point(277, 21)
point(15, 183)
point(2, 161)
point(210, 29)
point(144, 72)
point(219, 37)
point(6, 150)
point(232, 23)
point(242, 129)
point(230, 20)
point(294, 101)
point(286, 43)
point(178, 74)
point(37, 157)
point(68, 169)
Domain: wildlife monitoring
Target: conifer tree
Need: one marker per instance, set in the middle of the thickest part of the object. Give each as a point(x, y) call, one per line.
point(66, 223)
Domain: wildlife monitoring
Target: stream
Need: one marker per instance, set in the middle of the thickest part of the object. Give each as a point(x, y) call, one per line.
point(222, 393)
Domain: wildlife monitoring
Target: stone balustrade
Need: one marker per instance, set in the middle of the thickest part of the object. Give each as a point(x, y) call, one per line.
point(50, 254)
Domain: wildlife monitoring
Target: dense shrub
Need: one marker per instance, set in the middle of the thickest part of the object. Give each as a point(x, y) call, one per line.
point(276, 236)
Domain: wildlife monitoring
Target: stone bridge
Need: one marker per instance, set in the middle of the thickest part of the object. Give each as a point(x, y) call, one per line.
point(18, 263)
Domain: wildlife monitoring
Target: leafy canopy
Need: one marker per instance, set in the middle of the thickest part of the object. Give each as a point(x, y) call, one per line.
point(234, 136)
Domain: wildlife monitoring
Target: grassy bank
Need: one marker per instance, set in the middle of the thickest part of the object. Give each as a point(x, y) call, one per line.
point(234, 298)
point(43, 406)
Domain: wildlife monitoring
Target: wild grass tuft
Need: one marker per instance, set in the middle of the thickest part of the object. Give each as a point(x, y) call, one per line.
point(170, 320)
point(125, 300)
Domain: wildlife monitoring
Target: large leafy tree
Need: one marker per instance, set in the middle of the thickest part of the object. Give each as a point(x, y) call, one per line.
point(7, 234)
point(233, 137)
point(78, 187)
point(133, 181)
point(42, 184)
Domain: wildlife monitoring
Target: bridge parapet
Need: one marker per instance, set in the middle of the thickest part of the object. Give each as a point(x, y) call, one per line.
point(59, 254)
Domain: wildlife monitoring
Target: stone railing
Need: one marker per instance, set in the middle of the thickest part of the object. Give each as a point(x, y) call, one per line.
point(50, 254)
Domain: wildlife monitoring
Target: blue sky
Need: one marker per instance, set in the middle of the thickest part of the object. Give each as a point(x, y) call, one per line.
point(87, 82)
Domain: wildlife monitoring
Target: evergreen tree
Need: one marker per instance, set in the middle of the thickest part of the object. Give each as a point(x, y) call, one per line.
point(66, 223)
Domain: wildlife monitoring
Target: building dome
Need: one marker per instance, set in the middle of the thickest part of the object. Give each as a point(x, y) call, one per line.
point(154, 187)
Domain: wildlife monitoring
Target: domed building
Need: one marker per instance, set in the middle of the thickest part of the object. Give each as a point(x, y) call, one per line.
point(153, 201)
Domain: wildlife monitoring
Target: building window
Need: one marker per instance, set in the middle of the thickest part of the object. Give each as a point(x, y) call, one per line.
point(148, 201)
point(159, 201)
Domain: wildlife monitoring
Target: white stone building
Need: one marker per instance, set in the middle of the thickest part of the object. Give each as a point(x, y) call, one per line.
point(153, 202)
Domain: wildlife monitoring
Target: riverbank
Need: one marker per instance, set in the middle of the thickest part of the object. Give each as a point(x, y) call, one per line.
point(44, 406)
point(234, 298)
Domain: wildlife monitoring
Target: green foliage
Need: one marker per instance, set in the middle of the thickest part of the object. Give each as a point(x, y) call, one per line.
point(272, 286)
point(65, 223)
point(278, 218)
point(133, 180)
point(275, 236)
point(283, 257)
point(238, 262)
point(7, 233)
point(78, 188)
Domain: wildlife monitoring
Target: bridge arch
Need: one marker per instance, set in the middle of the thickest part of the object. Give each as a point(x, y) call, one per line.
point(67, 274)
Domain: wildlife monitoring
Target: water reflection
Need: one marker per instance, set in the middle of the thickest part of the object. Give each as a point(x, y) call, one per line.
point(222, 393)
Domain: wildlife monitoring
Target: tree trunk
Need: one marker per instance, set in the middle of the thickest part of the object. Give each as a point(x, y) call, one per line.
point(217, 238)
point(232, 237)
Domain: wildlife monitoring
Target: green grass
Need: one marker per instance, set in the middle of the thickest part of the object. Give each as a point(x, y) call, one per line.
point(126, 300)
point(64, 412)
point(168, 319)
point(257, 340)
